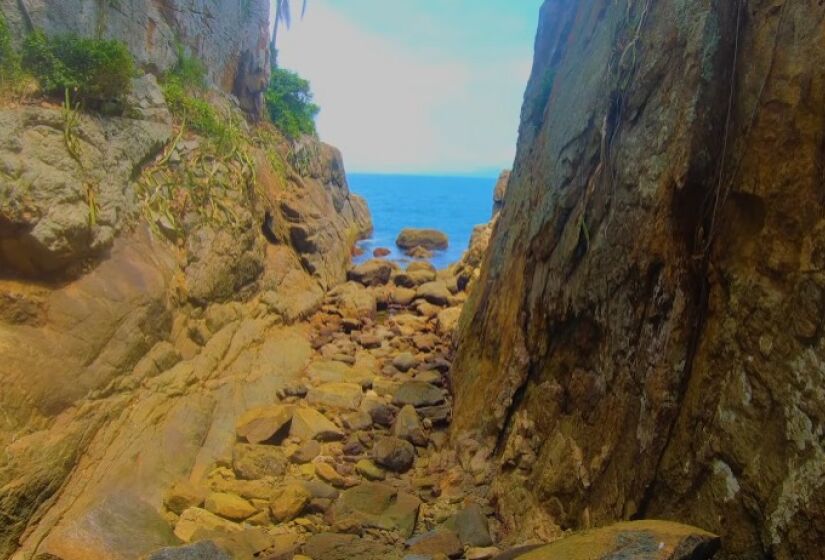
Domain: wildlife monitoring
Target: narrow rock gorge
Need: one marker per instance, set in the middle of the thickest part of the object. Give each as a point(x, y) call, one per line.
point(627, 362)
point(646, 338)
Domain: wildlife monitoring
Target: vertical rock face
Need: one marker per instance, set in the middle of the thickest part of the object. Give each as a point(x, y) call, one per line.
point(649, 319)
point(230, 36)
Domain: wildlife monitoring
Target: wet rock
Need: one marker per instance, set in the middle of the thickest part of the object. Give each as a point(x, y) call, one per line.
point(182, 496)
point(440, 541)
point(336, 395)
point(229, 506)
point(370, 470)
point(264, 423)
point(375, 272)
point(194, 519)
point(407, 426)
point(377, 505)
point(410, 238)
point(252, 462)
point(435, 293)
point(393, 453)
point(471, 526)
point(380, 252)
point(288, 502)
point(203, 550)
point(418, 394)
point(306, 452)
point(308, 423)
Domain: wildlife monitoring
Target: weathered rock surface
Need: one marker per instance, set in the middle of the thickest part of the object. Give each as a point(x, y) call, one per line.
point(646, 335)
point(230, 40)
point(411, 238)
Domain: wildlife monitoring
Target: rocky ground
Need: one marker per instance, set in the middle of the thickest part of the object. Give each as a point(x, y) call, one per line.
point(355, 461)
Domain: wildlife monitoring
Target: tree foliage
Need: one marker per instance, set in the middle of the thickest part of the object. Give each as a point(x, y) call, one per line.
point(289, 103)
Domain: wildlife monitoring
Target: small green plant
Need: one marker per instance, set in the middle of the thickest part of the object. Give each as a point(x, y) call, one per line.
point(10, 73)
point(93, 70)
point(289, 103)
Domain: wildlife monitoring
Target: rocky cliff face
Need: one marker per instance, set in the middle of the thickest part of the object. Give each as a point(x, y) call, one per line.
point(649, 320)
point(230, 36)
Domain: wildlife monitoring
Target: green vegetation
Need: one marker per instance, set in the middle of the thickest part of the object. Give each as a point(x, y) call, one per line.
point(93, 70)
point(10, 72)
point(289, 103)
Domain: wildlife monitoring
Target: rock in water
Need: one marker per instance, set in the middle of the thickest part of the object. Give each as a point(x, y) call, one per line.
point(411, 238)
point(393, 453)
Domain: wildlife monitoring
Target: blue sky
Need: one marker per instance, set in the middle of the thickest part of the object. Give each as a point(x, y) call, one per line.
point(416, 86)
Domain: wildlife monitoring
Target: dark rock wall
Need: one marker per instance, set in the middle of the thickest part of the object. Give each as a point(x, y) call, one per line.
point(649, 319)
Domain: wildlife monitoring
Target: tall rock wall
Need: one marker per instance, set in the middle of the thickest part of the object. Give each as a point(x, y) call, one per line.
point(230, 36)
point(649, 320)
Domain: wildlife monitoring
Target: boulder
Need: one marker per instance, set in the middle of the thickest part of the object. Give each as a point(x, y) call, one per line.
point(306, 452)
point(335, 546)
point(404, 361)
point(263, 423)
point(288, 502)
point(229, 506)
point(377, 505)
point(654, 540)
point(251, 462)
point(435, 292)
point(447, 321)
point(328, 474)
point(308, 423)
point(407, 426)
point(381, 252)
point(335, 371)
point(354, 300)
point(370, 470)
point(410, 238)
point(439, 541)
point(195, 519)
point(418, 394)
point(375, 272)
point(471, 526)
point(403, 296)
point(336, 395)
point(182, 496)
point(203, 550)
point(393, 453)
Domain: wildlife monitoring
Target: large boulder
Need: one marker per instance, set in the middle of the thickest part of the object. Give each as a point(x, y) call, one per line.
point(377, 505)
point(410, 238)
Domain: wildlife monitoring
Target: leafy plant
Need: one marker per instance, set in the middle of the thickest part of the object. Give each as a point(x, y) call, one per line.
point(10, 72)
point(289, 103)
point(93, 70)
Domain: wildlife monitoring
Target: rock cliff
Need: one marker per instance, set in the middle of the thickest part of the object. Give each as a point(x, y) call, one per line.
point(646, 338)
point(229, 36)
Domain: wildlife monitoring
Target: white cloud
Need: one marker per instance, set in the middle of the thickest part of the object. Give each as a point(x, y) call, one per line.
point(393, 109)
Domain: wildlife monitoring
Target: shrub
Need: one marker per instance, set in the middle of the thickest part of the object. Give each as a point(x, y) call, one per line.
point(289, 103)
point(9, 58)
point(93, 70)
point(189, 72)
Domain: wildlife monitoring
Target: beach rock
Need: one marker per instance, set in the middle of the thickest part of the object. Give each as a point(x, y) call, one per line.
point(288, 501)
point(418, 394)
point(308, 423)
point(420, 253)
point(440, 541)
point(264, 423)
point(370, 470)
point(229, 506)
point(407, 426)
point(328, 474)
point(447, 321)
point(306, 452)
point(354, 300)
point(357, 421)
point(393, 453)
point(657, 540)
point(252, 462)
point(403, 296)
point(345, 396)
point(404, 361)
point(377, 505)
point(194, 520)
point(203, 550)
point(375, 272)
point(335, 371)
point(410, 238)
point(380, 252)
point(435, 293)
point(335, 546)
point(482, 553)
point(472, 528)
point(182, 496)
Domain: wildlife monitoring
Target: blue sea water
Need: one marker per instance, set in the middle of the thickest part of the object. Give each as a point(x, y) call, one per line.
point(453, 205)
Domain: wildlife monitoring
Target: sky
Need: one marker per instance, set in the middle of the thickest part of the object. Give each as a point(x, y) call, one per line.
point(416, 86)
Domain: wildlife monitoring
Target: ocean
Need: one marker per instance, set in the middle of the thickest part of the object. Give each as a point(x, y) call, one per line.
point(453, 205)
